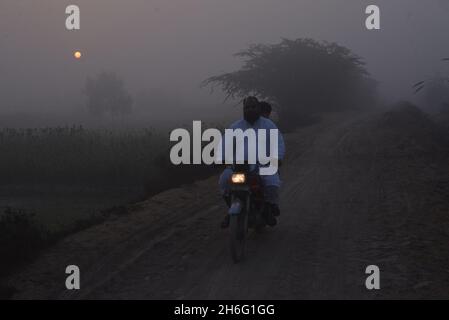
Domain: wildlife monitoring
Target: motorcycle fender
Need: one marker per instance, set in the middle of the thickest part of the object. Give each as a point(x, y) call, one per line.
point(236, 207)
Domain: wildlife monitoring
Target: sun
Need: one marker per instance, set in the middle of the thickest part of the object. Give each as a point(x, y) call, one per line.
point(77, 55)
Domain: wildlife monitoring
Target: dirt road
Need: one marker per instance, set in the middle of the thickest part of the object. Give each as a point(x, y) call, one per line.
point(357, 191)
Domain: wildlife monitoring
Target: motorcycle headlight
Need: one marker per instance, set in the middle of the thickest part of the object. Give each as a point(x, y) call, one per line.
point(238, 178)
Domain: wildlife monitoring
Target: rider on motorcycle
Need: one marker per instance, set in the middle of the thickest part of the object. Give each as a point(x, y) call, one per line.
point(252, 119)
point(265, 109)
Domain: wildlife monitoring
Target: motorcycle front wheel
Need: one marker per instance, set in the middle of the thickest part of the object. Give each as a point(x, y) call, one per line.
point(238, 229)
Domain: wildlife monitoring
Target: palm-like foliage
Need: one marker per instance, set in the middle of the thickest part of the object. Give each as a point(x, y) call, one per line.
point(417, 87)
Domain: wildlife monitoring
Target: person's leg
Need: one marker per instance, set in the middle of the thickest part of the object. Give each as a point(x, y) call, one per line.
point(271, 195)
point(224, 187)
point(224, 181)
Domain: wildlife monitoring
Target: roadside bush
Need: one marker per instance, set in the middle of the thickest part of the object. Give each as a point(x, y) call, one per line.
point(21, 238)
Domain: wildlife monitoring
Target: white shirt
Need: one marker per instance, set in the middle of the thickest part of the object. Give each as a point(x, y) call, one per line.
point(260, 124)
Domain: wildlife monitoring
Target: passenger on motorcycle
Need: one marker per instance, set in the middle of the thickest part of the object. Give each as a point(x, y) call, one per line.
point(252, 119)
point(265, 109)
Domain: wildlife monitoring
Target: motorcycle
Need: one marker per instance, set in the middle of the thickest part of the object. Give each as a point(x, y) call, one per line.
point(247, 206)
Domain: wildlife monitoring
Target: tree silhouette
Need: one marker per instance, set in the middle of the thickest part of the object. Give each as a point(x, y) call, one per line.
point(302, 76)
point(106, 93)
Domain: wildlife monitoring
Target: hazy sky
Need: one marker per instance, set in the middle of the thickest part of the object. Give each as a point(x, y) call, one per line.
point(173, 45)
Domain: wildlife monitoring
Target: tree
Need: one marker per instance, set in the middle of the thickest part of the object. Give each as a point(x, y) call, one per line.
point(106, 93)
point(302, 76)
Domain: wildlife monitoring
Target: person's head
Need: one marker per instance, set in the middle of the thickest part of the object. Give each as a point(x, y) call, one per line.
point(251, 109)
point(265, 109)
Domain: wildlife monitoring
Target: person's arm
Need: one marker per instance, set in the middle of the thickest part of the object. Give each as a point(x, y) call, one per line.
point(281, 147)
point(281, 143)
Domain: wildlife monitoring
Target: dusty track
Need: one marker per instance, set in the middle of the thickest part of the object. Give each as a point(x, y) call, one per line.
point(348, 201)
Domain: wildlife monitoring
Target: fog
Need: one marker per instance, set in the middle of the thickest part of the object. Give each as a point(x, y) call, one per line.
point(167, 47)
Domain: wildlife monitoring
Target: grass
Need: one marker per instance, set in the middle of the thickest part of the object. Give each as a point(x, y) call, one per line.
point(21, 237)
point(78, 156)
point(75, 156)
